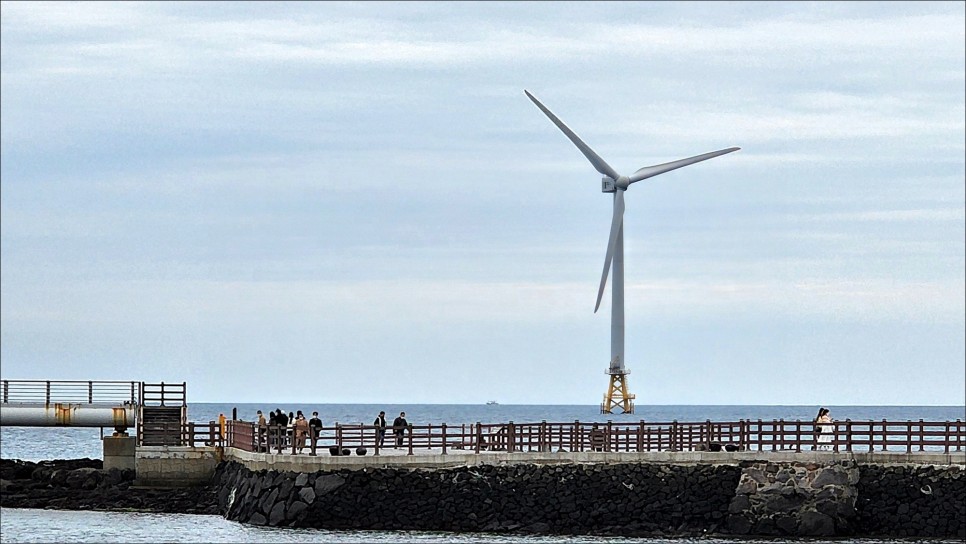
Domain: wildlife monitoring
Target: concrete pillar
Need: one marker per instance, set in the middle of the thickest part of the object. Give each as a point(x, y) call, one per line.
point(119, 452)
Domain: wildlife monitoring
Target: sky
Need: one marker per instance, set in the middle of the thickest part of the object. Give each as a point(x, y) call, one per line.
point(356, 202)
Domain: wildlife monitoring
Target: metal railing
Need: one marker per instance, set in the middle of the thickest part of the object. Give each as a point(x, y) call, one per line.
point(69, 391)
point(742, 435)
point(164, 394)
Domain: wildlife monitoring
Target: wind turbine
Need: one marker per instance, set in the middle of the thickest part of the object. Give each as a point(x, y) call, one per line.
point(617, 395)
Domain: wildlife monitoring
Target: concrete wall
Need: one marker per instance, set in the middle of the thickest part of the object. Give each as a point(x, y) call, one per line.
point(305, 463)
point(119, 452)
point(175, 466)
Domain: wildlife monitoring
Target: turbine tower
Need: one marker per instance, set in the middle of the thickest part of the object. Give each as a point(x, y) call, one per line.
point(617, 395)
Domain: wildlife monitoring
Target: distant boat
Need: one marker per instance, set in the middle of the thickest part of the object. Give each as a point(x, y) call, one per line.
point(491, 403)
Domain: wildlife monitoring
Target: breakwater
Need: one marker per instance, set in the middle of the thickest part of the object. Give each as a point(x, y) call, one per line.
point(84, 484)
point(783, 496)
point(674, 494)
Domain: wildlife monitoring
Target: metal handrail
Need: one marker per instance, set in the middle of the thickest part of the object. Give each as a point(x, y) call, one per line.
point(69, 391)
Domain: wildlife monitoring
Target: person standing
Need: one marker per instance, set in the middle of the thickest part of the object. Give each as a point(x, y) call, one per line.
point(281, 421)
point(823, 421)
point(301, 429)
point(399, 427)
point(315, 427)
point(261, 429)
point(380, 424)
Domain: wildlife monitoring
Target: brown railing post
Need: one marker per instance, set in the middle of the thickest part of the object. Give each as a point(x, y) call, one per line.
point(947, 438)
point(6, 391)
point(338, 437)
point(479, 437)
point(640, 436)
point(90, 392)
point(610, 431)
point(410, 429)
point(921, 437)
point(578, 436)
point(509, 437)
point(191, 434)
point(960, 434)
point(47, 397)
point(444, 438)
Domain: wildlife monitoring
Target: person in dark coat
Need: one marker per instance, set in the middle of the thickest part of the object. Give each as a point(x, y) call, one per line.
point(315, 424)
point(399, 427)
point(380, 424)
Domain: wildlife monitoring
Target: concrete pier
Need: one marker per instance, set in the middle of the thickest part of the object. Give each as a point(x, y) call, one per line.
point(119, 452)
point(176, 466)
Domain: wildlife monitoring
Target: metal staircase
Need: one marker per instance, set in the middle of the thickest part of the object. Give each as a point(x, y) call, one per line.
point(163, 414)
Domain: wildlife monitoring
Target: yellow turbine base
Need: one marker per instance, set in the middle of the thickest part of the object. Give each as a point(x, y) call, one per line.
point(617, 396)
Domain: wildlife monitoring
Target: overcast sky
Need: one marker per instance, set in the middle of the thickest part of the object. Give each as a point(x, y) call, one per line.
point(325, 202)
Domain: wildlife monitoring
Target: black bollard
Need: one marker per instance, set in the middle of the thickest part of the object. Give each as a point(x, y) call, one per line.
point(360, 451)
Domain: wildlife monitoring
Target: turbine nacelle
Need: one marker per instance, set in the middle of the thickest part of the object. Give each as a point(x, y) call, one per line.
point(610, 185)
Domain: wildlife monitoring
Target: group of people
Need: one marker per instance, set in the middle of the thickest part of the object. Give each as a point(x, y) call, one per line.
point(399, 428)
point(299, 429)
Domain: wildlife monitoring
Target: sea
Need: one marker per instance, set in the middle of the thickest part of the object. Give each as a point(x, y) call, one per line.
point(36, 444)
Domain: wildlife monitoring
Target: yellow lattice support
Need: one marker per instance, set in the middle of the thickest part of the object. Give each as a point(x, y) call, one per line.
point(617, 395)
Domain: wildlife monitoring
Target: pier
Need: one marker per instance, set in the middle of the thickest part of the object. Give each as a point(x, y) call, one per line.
point(745, 477)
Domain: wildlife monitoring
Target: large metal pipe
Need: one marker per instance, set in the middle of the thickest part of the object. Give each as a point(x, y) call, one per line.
point(64, 414)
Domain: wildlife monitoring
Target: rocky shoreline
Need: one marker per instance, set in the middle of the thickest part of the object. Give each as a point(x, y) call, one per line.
point(633, 500)
point(83, 484)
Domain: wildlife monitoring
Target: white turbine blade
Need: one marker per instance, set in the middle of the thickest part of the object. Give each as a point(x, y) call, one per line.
point(593, 157)
point(615, 227)
point(651, 171)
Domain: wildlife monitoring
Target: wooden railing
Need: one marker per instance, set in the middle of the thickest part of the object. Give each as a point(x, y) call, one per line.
point(742, 435)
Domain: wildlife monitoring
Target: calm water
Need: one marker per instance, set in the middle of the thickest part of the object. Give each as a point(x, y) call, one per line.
point(20, 525)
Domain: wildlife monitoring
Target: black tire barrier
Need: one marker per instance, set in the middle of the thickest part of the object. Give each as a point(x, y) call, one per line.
point(334, 451)
point(346, 451)
point(360, 451)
